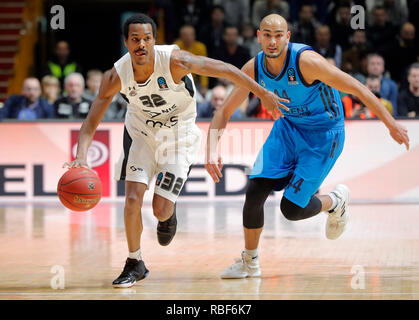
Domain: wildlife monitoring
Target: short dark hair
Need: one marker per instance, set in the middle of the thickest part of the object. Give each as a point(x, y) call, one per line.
point(379, 7)
point(141, 19)
point(217, 6)
point(344, 4)
point(374, 54)
point(305, 4)
point(414, 65)
point(230, 26)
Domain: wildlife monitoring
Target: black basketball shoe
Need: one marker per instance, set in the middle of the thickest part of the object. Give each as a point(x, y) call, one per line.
point(166, 230)
point(134, 271)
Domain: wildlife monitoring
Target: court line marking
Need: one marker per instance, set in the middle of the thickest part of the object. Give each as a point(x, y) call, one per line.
point(212, 293)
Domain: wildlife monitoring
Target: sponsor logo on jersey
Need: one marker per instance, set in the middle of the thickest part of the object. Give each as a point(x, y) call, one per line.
point(162, 83)
point(263, 83)
point(291, 76)
point(132, 92)
point(159, 124)
point(133, 168)
point(169, 110)
point(152, 114)
point(301, 111)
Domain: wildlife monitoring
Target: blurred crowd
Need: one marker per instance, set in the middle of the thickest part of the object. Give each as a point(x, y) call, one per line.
point(384, 56)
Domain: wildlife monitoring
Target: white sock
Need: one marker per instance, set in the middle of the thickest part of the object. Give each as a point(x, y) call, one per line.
point(135, 255)
point(335, 201)
point(253, 253)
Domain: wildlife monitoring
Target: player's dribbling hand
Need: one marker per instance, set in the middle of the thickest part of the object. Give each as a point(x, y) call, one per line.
point(214, 169)
point(272, 103)
point(399, 134)
point(76, 163)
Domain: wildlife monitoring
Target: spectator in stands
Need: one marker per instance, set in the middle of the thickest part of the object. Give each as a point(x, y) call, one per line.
point(325, 47)
point(408, 100)
point(187, 41)
point(29, 105)
point(190, 13)
point(341, 26)
point(228, 85)
point(363, 72)
point(374, 84)
point(237, 12)
point(352, 58)
point(249, 40)
point(354, 108)
point(255, 109)
point(50, 89)
point(117, 109)
point(381, 32)
point(303, 30)
point(61, 64)
point(320, 9)
point(211, 34)
point(397, 11)
point(93, 80)
point(262, 8)
point(231, 52)
point(73, 105)
point(403, 82)
point(403, 53)
point(218, 96)
point(163, 12)
point(388, 89)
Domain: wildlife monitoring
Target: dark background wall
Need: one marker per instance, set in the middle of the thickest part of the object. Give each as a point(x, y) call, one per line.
point(92, 29)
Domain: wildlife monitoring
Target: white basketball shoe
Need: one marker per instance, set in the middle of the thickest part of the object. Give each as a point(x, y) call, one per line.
point(242, 268)
point(338, 217)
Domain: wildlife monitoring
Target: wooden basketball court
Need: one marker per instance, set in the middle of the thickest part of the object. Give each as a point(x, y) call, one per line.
point(376, 258)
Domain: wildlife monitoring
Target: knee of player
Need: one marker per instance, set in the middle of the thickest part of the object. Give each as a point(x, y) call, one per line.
point(253, 216)
point(162, 211)
point(290, 210)
point(133, 201)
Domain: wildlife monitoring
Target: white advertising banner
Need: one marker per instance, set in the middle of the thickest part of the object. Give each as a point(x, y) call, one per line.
point(373, 166)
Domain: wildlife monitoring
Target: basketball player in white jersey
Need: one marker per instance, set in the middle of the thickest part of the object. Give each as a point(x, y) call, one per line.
point(160, 135)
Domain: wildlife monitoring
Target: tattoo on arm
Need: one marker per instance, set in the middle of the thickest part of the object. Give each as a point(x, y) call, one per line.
point(189, 60)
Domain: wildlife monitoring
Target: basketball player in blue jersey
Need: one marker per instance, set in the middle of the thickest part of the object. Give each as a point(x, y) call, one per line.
point(304, 143)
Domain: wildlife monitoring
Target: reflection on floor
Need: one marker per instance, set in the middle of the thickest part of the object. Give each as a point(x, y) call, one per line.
point(44, 246)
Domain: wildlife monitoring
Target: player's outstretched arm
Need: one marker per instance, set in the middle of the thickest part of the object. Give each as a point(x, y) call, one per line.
point(213, 162)
point(183, 62)
point(314, 67)
point(109, 86)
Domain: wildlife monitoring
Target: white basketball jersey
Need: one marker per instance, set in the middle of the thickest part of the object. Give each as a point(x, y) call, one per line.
point(158, 103)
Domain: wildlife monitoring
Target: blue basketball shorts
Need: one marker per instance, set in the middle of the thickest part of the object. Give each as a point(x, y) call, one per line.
point(304, 156)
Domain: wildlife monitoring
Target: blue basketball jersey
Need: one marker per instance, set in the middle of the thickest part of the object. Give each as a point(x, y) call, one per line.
point(312, 106)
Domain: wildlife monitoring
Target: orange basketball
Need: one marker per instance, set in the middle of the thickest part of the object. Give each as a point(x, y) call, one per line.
point(79, 189)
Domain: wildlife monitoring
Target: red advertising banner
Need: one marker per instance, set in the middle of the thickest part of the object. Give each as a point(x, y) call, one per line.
point(97, 156)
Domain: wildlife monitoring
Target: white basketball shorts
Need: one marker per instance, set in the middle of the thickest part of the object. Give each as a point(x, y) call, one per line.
point(166, 154)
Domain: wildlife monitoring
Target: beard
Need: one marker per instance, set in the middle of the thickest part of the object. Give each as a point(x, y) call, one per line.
point(276, 55)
